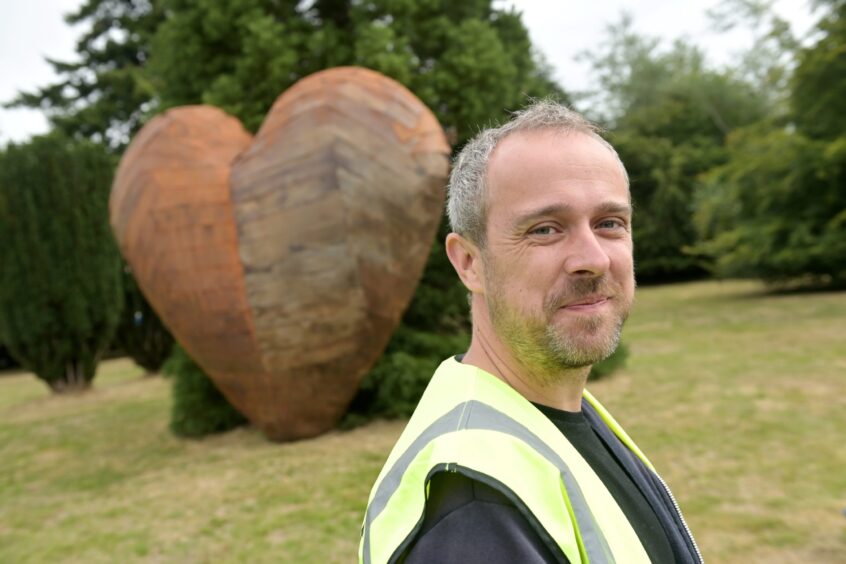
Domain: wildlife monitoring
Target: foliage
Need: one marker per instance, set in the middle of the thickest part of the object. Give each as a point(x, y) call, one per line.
point(777, 209)
point(394, 386)
point(60, 285)
point(198, 408)
point(818, 98)
point(670, 115)
point(440, 304)
point(6, 359)
point(105, 95)
point(663, 176)
point(141, 334)
point(768, 64)
point(467, 61)
point(610, 365)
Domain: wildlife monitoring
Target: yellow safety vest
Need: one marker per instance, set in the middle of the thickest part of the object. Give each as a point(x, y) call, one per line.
point(470, 419)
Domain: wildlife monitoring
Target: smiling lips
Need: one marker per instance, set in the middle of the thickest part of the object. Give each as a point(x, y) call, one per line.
point(587, 304)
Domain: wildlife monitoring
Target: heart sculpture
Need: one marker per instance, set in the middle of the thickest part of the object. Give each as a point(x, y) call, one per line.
point(283, 263)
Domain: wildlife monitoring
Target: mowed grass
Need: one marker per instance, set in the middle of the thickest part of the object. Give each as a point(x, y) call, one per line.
point(738, 397)
point(99, 478)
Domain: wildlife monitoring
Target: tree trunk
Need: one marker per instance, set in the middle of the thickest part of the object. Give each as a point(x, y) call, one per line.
point(74, 380)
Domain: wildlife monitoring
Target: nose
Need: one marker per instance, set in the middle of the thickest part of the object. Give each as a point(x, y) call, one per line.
point(585, 254)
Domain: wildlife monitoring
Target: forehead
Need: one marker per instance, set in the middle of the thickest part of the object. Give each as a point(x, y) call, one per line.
point(529, 162)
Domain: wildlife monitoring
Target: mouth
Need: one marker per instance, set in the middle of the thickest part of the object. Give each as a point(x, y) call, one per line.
point(588, 303)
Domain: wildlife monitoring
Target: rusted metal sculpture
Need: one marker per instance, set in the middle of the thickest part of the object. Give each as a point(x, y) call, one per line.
point(284, 263)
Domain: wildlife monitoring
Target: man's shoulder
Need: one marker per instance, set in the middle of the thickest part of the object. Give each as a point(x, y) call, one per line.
point(467, 520)
point(449, 491)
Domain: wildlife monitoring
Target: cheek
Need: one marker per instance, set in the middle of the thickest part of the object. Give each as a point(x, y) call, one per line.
point(622, 266)
point(518, 267)
point(541, 273)
point(525, 287)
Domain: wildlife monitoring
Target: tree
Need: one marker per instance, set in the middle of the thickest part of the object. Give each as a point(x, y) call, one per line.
point(768, 63)
point(105, 95)
point(141, 334)
point(669, 116)
point(777, 208)
point(6, 359)
point(469, 62)
point(60, 285)
point(818, 98)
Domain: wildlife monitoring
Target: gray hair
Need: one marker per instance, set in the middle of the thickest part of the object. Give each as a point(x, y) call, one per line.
point(467, 201)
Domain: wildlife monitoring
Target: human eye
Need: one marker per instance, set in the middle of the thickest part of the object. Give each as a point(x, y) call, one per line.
point(612, 223)
point(542, 230)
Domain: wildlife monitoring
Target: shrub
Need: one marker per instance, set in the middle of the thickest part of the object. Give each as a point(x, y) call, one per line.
point(198, 408)
point(392, 389)
point(60, 281)
point(610, 365)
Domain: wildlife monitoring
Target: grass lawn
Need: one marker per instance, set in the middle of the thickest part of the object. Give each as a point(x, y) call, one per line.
point(738, 397)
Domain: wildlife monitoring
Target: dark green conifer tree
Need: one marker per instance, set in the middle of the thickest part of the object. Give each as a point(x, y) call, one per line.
point(60, 281)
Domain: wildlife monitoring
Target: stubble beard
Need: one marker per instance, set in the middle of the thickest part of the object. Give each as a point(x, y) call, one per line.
point(551, 352)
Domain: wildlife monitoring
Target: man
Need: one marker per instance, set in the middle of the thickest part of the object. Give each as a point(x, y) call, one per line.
point(508, 458)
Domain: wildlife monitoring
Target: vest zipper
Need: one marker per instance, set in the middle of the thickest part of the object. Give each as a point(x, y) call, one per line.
point(681, 517)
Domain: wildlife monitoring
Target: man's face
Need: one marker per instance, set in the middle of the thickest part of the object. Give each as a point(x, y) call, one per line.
point(558, 268)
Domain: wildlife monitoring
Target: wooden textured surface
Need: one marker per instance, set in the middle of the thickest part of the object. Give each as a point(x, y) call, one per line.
point(284, 265)
point(171, 212)
point(337, 202)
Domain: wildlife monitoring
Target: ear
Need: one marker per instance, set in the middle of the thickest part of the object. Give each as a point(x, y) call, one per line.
point(467, 261)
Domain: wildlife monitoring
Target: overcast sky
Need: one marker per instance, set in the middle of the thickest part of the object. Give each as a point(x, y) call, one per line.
point(33, 29)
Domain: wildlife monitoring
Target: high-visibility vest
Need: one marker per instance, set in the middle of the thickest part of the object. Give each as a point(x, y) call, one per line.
point(472, 422)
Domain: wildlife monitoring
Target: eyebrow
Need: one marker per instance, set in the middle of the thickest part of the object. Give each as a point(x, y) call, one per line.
point(560, 209)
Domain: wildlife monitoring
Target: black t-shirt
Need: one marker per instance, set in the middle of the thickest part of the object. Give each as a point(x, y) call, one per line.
point(467, 521)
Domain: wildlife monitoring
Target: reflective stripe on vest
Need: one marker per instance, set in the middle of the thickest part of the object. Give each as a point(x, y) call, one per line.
point(617, 429)
point(471, 434)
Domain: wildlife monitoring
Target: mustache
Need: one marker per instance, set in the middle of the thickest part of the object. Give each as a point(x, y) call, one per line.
point(580, 288)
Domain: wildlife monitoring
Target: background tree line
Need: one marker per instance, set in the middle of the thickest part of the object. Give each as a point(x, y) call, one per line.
point(735, 172)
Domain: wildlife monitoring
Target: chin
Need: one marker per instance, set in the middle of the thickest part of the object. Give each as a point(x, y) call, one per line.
point(586, 351)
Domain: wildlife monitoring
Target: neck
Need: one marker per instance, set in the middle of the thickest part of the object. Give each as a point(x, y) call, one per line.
point(562, 390)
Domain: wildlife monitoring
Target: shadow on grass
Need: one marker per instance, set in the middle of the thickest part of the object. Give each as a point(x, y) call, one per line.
point(762, 289)
point(17, 371)
point(793, 288)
